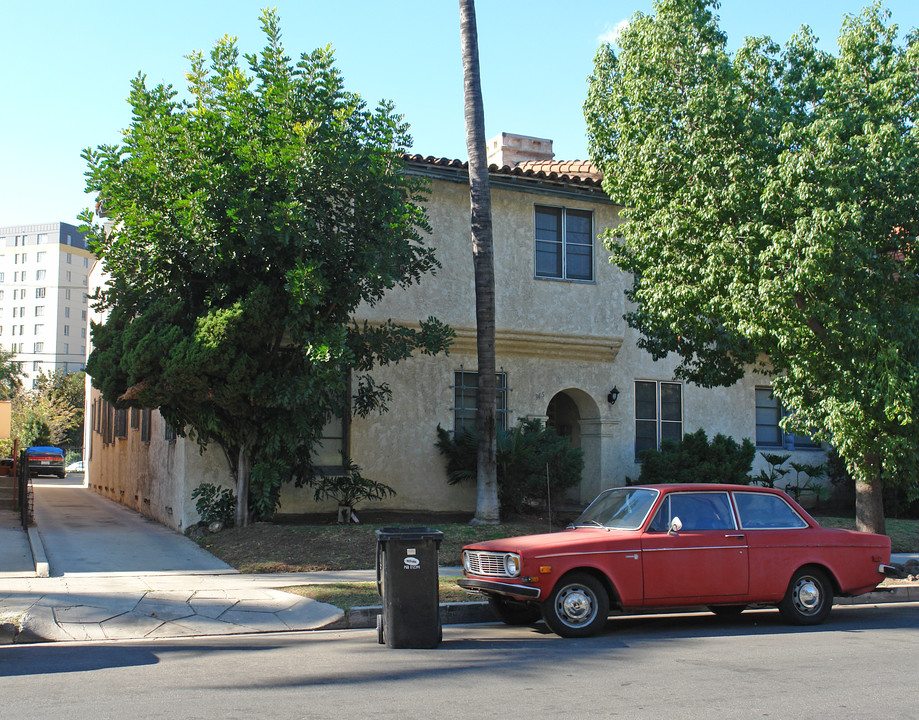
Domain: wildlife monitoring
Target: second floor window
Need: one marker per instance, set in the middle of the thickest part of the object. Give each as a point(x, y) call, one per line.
point(564, 243)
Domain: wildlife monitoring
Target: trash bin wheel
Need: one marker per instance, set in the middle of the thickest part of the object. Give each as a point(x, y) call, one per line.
point(380, 638)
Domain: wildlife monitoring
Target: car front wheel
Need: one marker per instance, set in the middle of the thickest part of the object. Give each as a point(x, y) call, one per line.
point(578, 606)
point(809, 598)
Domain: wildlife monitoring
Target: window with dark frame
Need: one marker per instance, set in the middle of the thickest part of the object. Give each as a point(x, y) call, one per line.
point(328, 452)
point(769, 433)
point(564, 243)
point(121, 423)
point(465, 404)
point(658, 414)
point(145, 417)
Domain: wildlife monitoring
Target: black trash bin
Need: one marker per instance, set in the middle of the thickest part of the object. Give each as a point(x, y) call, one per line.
point(407, 580)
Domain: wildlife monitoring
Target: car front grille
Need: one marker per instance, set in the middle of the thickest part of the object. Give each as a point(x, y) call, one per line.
point(486, 563)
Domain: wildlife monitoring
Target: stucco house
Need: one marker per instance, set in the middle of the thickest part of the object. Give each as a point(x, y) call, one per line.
point(565, 354)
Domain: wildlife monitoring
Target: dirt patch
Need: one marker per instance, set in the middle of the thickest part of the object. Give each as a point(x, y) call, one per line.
point(274, 547)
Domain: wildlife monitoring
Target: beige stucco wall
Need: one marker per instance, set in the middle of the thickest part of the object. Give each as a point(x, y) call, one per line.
point(552, 337)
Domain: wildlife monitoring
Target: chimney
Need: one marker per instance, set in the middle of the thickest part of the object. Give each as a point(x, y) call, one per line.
point(509, 149)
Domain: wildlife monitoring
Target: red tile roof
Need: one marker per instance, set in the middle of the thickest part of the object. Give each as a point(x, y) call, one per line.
point(576, 172)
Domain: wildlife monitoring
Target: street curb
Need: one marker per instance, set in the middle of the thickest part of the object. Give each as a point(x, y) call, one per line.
point(453, 613)
point(42, 568)
point(891, 594)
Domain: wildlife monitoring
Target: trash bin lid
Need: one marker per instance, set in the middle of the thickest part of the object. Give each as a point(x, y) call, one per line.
point(408, 533)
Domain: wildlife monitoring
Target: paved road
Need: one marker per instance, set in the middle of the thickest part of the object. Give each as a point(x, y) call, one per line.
point(860, 664)
point(84, 532)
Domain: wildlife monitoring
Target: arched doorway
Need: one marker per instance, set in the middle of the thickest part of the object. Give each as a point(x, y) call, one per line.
point(562, 414)
point(574, 414)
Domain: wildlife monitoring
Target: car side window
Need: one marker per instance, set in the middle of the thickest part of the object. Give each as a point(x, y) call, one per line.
point(697, 511)
point(761, 511)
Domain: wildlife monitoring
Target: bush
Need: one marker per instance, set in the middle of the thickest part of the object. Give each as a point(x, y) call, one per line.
point(535, 464)
point(695, 460)
point(350, 487)
point(214, 504)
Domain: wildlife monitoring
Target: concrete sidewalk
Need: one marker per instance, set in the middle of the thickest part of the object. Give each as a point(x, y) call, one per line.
point(98, 591)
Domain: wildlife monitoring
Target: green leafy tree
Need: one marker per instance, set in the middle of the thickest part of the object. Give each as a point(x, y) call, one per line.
point(248, 222)
point(51, 413)
point(10, 374)
point(68, 389)
point(773, 202)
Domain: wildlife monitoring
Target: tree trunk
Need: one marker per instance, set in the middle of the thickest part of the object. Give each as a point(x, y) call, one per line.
point(242, 488)
point(486, 506)
point(869, 498)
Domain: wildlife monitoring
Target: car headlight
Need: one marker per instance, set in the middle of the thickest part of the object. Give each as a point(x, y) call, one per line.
point(466, 566)
point(512, 564)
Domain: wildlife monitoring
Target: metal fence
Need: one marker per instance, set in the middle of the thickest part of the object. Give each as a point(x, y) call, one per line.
point(25, 496)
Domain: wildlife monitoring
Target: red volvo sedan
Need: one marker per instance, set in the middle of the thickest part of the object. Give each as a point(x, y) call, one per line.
point(668, 546)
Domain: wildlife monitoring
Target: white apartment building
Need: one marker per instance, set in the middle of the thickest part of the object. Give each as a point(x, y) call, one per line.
point(43, 304)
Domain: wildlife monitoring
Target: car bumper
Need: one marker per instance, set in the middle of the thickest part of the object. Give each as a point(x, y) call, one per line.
point(891, 571)
point(499, 588)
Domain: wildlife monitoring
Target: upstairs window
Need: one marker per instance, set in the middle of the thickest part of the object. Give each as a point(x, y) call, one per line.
point(564, 243)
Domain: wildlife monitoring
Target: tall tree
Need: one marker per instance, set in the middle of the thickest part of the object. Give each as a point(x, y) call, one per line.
point(486, 505)
point(773, 204)
point(248, 222)
point(10, 374)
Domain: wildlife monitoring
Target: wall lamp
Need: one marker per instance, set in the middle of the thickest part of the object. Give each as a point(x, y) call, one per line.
point(613, 395)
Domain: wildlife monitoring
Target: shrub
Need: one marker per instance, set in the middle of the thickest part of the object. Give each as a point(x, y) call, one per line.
point(350, 487)
point(535, 464)
point(695, 460)
point(214, 504)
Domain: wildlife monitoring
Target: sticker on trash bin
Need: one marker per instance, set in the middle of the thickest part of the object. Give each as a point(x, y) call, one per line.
point(411, 562)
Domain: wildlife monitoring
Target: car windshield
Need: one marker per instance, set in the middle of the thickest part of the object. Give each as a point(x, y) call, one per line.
point(619, 508)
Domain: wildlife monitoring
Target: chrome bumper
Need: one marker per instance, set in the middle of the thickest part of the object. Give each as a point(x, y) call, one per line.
point(500, 588)
point(891, 571)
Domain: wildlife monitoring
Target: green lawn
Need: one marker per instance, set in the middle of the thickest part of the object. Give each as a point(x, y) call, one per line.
point(904, 534)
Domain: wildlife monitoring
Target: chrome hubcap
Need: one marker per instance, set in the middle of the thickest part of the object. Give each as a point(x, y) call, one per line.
point(576, 605)
point(807, 595)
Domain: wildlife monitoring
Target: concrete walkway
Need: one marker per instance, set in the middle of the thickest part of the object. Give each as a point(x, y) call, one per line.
point(114, 575)
point(111, 573)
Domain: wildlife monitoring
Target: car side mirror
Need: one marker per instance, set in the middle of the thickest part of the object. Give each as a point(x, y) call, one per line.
point(675, 526)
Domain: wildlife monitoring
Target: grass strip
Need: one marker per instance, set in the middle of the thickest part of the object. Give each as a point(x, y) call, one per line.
point(361, 594)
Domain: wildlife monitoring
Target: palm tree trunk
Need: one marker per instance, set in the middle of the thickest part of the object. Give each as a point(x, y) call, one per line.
point(486, 506)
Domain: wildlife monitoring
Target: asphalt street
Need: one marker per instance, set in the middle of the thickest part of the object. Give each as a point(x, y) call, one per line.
point(860, 664)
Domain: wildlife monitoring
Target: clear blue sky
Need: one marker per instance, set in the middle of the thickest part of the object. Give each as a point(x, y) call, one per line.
point(66, 67)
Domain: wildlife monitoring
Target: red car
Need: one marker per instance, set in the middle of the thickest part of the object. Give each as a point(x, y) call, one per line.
point(665, 546)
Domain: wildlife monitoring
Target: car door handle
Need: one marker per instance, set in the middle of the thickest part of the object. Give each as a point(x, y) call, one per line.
point(735, 536)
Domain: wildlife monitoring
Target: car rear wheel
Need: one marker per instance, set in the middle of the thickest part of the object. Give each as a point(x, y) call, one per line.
point(809, 598)
point(514, 612)
point(578, 606)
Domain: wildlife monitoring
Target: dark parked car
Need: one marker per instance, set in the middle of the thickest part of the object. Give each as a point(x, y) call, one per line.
point(648, 547)
point(46, 461)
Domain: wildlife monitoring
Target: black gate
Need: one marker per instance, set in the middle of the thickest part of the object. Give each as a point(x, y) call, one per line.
point(24, 482)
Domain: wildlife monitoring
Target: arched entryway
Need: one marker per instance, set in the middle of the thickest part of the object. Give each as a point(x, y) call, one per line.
point(574, 414)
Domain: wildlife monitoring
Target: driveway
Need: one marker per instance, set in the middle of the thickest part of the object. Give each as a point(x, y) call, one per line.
point(84, 532)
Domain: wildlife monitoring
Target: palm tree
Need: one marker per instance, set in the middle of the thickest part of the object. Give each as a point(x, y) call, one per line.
point(486, 505)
